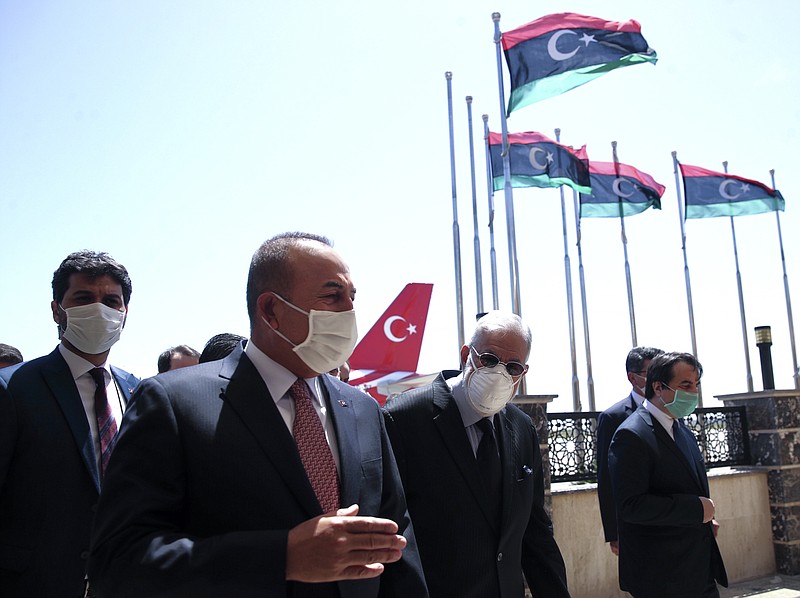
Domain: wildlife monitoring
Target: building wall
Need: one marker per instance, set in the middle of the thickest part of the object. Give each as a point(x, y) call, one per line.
point(745, 538)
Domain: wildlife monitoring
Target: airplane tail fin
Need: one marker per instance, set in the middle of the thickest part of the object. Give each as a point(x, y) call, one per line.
point(395, 340)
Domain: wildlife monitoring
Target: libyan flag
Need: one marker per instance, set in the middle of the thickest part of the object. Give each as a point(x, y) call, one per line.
point(537, 161)
point(619, 190)
point(559, 52)
point(710, 194)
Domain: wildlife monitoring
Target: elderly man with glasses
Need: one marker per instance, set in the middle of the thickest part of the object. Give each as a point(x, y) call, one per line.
point(472, 472)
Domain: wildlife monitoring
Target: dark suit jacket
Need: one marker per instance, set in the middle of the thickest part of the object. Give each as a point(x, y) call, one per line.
point(205, 483)
point(665, 548)
point(462, 552)
point(607, 423)
point(49, 481)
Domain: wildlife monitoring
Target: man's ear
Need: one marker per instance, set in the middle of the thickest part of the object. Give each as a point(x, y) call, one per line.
point(54, 308)
point(265, 306)
point(464, 355)
point(631, 378)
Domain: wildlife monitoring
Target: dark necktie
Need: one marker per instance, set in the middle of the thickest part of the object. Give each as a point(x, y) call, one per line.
point(489, 465)
point(679, 432)
point(106, 425)
point(315, 453)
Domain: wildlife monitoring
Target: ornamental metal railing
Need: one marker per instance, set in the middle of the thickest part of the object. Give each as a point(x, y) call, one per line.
point(721, 433)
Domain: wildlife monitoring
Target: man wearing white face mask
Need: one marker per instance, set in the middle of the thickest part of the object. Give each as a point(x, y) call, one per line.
point(667, 531)
point(608, 421)
point(472, 472)
point(59, 415)
point(259, 474)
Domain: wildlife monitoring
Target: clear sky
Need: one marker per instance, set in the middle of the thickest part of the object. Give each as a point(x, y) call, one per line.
point(180, 135)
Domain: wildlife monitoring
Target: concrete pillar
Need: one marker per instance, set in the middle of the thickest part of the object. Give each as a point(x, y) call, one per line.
point(536, 408)
point(773, 419)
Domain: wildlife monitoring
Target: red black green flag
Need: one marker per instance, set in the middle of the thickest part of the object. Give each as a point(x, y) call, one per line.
point(619, 190)
point(537, 161)
point(559, 52)
point(710, 194)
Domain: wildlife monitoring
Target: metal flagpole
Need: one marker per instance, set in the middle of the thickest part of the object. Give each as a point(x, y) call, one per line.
point(490, 194)
point(576, 391)
point(795, 371)
point(686, 265)
point(590, 379)
point(741, 301)
point(456, 236)
point(513, 264)
point(631, 312)
point(476, 241)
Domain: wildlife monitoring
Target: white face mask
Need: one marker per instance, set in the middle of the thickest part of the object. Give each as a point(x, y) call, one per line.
point(93, 328)
point(488, 389)
point(332, 336)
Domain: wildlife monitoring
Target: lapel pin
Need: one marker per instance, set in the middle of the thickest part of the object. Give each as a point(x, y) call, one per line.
point(526, 470)
point(342, 403)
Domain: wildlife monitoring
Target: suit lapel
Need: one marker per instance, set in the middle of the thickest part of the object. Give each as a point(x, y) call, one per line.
point(509, 451)
point(248, 396)
point(125, 382)
point(344, 423)
point(663, 437)
point(57, 376)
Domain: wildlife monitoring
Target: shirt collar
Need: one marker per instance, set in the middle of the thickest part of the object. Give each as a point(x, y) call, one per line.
point(637, 397)
point(469, 416)
point(277, 378)
point(78, 366)
point(664, 419)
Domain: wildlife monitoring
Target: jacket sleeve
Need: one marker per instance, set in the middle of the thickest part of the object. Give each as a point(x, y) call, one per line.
point(606, 426)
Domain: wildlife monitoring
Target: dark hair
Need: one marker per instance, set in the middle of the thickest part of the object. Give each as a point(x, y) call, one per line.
point(638, 355)
point(165, 359)
point(92, 264)
point(661, 367)
point(219, 346)
point(269, 268)
point(10, 355)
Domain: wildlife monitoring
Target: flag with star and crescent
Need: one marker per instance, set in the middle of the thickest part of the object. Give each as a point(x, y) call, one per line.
point(538, 161)
point(559, 52)
point(711, 194)
point(619, 190)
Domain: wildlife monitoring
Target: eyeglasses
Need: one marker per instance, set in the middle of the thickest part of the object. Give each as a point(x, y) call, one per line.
point(490, 360)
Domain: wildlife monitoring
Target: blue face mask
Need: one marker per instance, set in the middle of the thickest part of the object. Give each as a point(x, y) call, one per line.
point(683, 404)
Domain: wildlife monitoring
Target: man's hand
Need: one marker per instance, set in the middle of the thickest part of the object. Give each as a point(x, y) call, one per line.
point(614, 544)
point(715, 527)
point(340, 545)
point(708, 509)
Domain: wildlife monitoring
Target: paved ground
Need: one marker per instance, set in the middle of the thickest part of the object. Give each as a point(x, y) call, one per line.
point(776, 586)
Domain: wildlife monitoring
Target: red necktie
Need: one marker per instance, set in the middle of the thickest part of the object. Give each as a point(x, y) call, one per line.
point(106, 425)
point(313, 448)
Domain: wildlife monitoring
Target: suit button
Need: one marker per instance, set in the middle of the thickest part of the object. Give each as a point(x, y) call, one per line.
point(85, 555)
point(94, 508)
point(499, 557)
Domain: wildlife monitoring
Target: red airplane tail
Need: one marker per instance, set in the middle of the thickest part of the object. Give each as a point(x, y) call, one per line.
point(395, 340)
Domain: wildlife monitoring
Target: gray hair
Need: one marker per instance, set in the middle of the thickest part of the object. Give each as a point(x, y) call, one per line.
point(509, 323)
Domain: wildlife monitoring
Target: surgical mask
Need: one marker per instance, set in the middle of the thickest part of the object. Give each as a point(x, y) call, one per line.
point(488, 389)
point(332, 336)
point(93, 328)
point(683, 404)
point(637, 388)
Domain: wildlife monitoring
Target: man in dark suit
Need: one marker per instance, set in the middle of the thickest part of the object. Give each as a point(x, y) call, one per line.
point(255, 475)
point(608, 421)
point(667, 531)
point(472, 471)
point(56, 433)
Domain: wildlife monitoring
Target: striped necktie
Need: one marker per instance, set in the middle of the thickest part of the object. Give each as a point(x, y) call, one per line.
point(106, 424)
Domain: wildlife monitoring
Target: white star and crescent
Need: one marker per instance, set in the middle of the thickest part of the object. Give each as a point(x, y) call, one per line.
point(724, 192)
point(534, 160)
point(552, 44)
point(387, 329)
point(617, 187)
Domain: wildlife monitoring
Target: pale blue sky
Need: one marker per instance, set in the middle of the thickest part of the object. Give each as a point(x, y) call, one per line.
point(180, 135)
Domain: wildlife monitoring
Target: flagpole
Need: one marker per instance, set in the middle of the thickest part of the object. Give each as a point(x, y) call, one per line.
point(795, 371)
point(507, 192)
point(686, 265)
point(476, 240)
point(631, 313)
point(490, 195)
point(576, 391)
point(590, 378)
point(456, 236)
point(741, 300)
